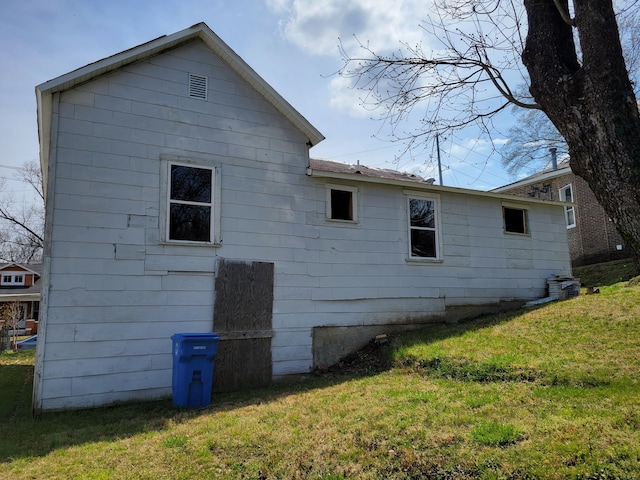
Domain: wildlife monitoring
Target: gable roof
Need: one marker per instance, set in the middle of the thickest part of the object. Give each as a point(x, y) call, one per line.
point(34, 268)
point(45, 91)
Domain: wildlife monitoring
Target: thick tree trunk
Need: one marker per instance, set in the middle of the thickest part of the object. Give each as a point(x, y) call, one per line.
point(592, 104)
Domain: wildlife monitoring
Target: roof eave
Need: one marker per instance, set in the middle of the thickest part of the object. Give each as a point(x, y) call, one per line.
point(534, 179)
point(427, 187)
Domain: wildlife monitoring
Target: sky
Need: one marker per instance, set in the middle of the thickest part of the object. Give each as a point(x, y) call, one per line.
point(292, 44)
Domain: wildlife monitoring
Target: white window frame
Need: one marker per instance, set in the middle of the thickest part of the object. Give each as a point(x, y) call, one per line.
point(354, 202)
point(569, 210)
point(167, 161)
point(409, 195)
point(525, 212)
point(12, 278)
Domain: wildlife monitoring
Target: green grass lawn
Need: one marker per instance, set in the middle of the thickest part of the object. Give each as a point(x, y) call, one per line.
point(607, 273)
point(548, 392)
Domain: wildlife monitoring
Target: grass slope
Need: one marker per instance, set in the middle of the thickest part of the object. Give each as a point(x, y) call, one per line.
point(550, 393)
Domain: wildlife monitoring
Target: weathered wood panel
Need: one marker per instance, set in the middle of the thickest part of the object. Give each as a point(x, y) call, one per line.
point(242, 317)
point(242, 364)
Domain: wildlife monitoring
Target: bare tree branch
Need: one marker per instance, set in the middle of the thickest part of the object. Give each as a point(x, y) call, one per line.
point(21, 226)
point(564, 13)
point(464, 81)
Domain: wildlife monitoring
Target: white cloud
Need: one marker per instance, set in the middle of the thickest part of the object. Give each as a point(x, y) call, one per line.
point(317, 27)
point(536, 144)
point(462, 148)
point(348, 99)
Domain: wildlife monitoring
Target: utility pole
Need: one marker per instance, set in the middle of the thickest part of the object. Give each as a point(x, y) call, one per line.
point(439, 163)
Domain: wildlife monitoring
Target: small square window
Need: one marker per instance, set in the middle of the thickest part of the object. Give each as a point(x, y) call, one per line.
point(515, 220)
point(342, 203)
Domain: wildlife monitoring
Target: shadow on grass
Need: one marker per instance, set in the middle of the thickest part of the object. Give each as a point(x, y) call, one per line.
point(23, 436)
point(496, 368)
point(15, 390)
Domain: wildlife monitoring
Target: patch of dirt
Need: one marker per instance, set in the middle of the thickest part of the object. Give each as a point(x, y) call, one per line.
point(370, 359)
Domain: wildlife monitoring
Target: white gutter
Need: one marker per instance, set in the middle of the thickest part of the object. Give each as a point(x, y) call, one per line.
point(534, 179)
point(408, 184)
point(20, 297)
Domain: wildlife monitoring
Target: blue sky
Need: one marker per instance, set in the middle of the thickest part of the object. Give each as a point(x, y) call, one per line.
point(292, 44)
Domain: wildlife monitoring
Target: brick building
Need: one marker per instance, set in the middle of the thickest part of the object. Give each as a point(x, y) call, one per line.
point(592, 236)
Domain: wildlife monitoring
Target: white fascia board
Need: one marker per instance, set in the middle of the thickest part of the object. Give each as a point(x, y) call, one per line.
point(426, 187)
point(21, 297)
point(534, 179)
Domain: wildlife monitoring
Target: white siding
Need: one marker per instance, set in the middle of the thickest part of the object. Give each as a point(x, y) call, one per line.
point(117, 293)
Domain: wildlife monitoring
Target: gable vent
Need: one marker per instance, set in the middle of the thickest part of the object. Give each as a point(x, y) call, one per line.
point(197, 86)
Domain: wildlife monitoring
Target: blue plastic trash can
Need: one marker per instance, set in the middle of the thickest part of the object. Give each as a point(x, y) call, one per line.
point(193, 358)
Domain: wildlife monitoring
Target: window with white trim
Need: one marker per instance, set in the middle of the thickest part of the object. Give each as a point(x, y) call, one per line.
point(191, 214)
point(515, 219)
point(342, 203)
point(566, 195)
point(424, 229)
point(12, 279)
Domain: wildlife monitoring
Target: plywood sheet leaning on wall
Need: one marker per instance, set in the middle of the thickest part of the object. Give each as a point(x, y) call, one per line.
point(242, 317)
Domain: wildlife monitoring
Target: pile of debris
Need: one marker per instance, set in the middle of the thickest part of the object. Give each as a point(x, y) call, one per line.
point(563, 287)
point(560, 287)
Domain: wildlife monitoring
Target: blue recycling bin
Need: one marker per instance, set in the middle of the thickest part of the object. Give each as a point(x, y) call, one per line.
point(193, 358)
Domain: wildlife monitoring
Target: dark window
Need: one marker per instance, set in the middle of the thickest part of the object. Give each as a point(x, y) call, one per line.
point(422, 227)
point(190, 203)
point(515, 220)
point(341, 205)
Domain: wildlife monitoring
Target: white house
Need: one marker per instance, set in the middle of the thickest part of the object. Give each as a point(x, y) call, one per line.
point(180, 197)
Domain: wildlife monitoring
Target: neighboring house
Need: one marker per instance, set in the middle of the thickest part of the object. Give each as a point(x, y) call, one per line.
point(180, 197)
point(592, 235)
point(20, 285)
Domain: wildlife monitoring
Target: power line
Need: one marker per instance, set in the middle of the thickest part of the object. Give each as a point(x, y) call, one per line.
point(2, 165)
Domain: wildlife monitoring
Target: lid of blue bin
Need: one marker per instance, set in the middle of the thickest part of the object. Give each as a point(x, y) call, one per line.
point(195, 336)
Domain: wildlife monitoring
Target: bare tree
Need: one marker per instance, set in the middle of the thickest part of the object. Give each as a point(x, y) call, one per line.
point(11, 313)
point(575, 70)
point(464, 80)
point(21, 225)
point(590, 100)
point(530, 138)
point(532, 134)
